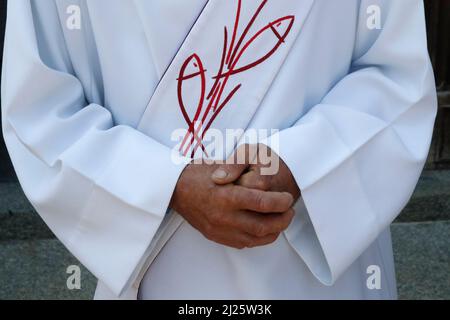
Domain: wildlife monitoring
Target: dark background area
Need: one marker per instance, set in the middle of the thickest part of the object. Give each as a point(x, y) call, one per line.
point(6, 170)
point(438, 23)
point(33, 262)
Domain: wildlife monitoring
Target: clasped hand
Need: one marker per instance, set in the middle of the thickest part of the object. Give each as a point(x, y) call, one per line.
point(234, 204)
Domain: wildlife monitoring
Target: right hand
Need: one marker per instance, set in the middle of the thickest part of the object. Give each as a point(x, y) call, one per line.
point(231, 215)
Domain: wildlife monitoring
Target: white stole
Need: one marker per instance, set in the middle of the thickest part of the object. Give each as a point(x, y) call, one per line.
point(223, 70)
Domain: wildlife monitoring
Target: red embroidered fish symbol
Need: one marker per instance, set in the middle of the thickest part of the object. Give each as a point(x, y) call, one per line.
point(191, 71)
point(274, 33)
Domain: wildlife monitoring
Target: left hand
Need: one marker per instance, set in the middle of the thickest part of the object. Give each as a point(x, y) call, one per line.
point(248, 174)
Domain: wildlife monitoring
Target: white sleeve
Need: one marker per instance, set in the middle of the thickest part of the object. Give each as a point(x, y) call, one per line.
point(102, 188)
point(357, 155)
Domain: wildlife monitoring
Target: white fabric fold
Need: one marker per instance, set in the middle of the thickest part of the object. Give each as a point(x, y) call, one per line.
point(358, 154)
point(93, 182)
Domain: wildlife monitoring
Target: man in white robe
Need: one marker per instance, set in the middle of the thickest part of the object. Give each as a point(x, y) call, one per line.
point(90, 103)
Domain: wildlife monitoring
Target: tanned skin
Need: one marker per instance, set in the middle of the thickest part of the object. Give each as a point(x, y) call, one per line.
point(234, 204)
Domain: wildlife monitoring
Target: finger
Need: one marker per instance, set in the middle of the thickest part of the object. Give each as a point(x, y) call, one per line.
point(235, 165)
point(228, 173)
point(259, 201)
point(259, 225)
point(279, 222)
point(253, 180)
point(253, 242)
point(242, 240)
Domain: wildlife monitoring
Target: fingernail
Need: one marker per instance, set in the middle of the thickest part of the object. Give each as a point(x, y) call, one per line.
point(220, 174)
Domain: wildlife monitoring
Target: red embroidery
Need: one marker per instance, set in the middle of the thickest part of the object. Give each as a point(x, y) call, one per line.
point(193, 70)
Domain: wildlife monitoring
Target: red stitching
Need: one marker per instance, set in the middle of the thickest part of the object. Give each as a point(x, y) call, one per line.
point(230, 58)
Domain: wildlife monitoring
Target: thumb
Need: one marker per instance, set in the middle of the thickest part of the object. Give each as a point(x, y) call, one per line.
point(228, 173)
point(235, 166)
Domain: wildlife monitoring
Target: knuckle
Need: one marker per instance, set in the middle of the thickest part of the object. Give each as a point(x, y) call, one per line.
point(260, 202)
point(240, 245)
point(249, 244)
point(288, 217)
point(283, 204)
point(286, 206)
point(223, 220)
point(285, 225)
point(214, 218)
point(227, 196)
point(263, 183)
point(260, 230)
point(233, 197)
point(270, 239)
point(220, 196)
point(289, 201)
point(208, 231)
point(291, 214)
point(274, 237)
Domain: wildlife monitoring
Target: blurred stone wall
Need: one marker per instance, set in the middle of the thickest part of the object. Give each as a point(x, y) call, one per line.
point(6, 170)
point(438, 23)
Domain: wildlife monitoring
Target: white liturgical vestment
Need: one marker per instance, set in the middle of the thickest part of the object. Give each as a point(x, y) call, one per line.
point(95, 93)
